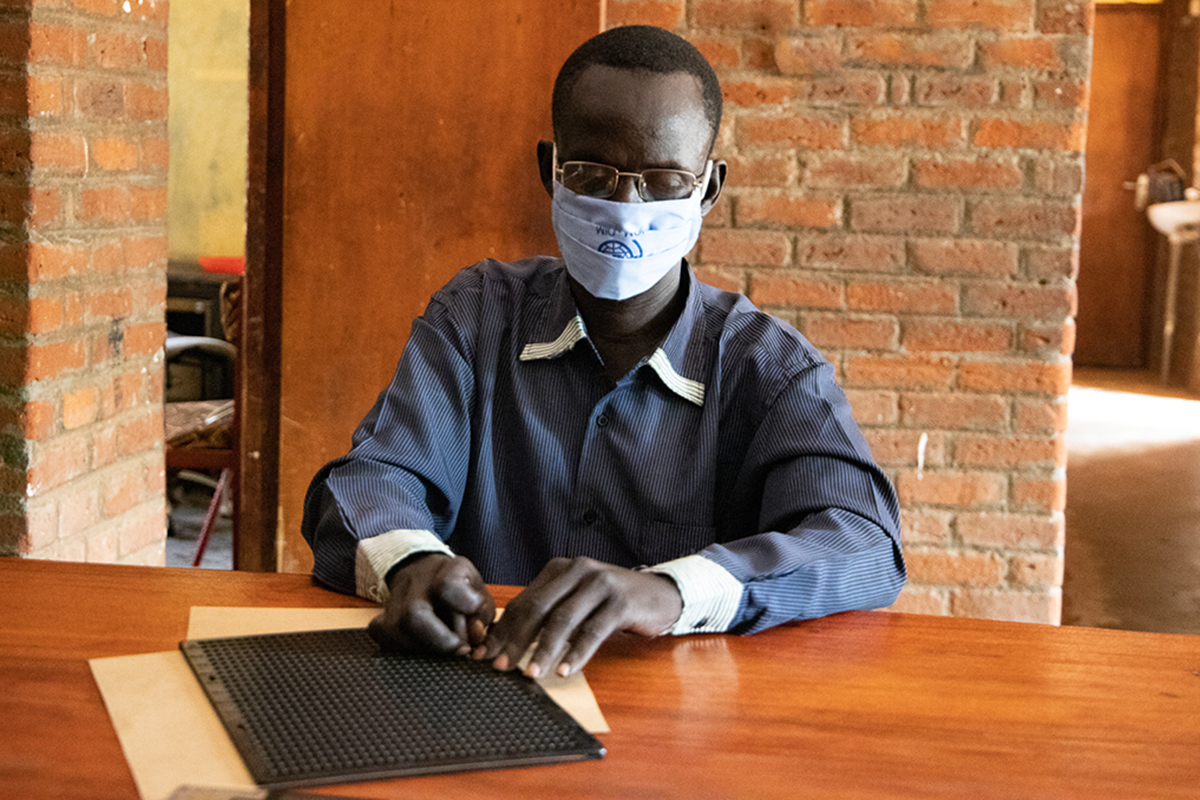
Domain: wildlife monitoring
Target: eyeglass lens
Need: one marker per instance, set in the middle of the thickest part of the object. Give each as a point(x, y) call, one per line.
point(600, 180)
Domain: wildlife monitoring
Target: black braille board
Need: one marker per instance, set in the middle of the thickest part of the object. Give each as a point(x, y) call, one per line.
point(329, 707)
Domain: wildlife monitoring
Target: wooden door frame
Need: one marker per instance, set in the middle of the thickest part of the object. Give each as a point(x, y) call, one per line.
point(259, 362)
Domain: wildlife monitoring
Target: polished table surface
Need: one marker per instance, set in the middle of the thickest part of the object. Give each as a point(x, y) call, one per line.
point(864, 704)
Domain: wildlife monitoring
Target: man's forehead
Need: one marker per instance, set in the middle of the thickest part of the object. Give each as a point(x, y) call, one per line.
point(610, 91)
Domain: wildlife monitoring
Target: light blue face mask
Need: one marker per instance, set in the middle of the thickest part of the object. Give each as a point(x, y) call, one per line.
point(619, 250)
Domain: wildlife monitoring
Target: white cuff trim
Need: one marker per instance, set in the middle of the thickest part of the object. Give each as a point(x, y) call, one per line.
point(374, 557)
point(711, 595)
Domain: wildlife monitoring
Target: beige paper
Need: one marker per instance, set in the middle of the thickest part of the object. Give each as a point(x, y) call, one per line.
point(168, 730)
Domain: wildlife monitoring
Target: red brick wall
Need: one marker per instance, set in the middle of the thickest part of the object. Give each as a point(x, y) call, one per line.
point(904, 186)
point(83, 187)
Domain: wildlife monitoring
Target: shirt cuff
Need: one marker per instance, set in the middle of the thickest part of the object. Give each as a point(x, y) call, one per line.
point(711, 595)
point(375, 557)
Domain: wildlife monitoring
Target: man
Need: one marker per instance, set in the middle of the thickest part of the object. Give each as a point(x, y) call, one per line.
point(647, 453)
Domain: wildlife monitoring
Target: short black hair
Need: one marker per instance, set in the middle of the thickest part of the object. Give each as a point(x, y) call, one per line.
point(638, 47)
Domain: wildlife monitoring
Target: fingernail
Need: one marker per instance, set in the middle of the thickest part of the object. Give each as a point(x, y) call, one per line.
point(463, 650)
point(501, 662)
point(534, 671)
point(478, 652)
point(564, 669)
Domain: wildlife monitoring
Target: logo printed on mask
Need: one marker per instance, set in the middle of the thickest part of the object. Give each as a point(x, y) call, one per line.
point(620, 249)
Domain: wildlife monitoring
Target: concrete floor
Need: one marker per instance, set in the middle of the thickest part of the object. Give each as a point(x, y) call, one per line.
point(189, 502)
point(1133, 505)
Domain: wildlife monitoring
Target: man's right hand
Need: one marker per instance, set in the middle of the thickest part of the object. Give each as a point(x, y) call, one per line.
point(438, 604)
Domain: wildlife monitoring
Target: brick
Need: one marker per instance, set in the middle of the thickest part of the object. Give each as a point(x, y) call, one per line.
point(104, 440)
point(13, 94)
point(803, 292)
point(787, 211)
point(45, 206)
point(1037, 53)
point(854, 333)
point(1019, 300)
point(808, 131)
point(963, 412)
point(1036, 570)
point(57, 462)
point(1013, 16)
point(1045, 220)
point(848, 88)
point(956, 568)
point(48, 361)
point(902, 448)
point(115, 154)
point(920, 600)
point(144, 103)
point(855, 252)
point(142, 527)
point(41, 526)
point(808, 55)
point(901, 129)
point(100, 99)
point(906, 214)
point(149, 204)
point(1042, 340)
point(931, 335)
point(909, 296)
point(949, 50)
point(990, 450)
point(848, 171)
point(155, 154)
point(14, 201)
point(111, 204)
point(749, 248)
point(1065, 16)
point(761, 91)
point(40, 420)
point(79, 509)
point(874, 406)
point(108, 8)
point(155, 51)
point(753, 14)
point(122, 491)
point(14, 315)
point(110, 304)
point(57, 44)
point(80, 407)
point(758, 52)
point(1039, 495)
point(967, 257)
point(659, 13)
point(981, 174)
point(965, 490)
point(141, 433)
point(102, 545)
point(860, 13)
point(919, 371)
point(145, 339)
point(113, 50)
point(728, 280)
point(924, 526)
point(1005, 132)
point(719, 51)
point(1062, 93)
point(45, 95)
point(766, 170)
point(1041, 416)
point(942, 90)
point(1052, 263)
point(58, 152)
point(1015, 606)
point(1016, 377)
point(146, 252)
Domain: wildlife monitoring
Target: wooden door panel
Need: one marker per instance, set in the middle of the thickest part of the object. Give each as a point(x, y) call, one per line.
point(1116, 247)
point(410, 135)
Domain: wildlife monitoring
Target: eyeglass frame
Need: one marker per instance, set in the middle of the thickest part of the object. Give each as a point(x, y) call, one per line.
point(639, 181)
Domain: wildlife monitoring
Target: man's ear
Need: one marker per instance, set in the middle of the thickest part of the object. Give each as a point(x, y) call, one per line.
point(545, 157)
point(716, 180)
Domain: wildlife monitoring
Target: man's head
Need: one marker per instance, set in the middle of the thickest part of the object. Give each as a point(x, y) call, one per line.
point(636, 98)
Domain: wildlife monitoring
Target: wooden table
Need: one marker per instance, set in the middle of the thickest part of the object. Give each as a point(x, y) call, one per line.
point(870, 705)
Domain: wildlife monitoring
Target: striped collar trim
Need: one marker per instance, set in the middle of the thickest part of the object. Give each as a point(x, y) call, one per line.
point(571, 335)
point(688, 389)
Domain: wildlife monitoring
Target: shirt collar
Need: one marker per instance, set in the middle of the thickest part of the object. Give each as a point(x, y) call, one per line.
point(680, 353)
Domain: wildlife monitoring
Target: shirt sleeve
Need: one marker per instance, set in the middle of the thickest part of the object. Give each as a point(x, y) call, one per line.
point(398, 491)
point(828, 522)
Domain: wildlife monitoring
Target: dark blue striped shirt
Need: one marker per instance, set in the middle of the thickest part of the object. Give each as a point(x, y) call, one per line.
point(502, 436)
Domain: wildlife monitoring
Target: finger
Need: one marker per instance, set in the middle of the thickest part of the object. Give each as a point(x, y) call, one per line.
point(460, 593)
point(418, 629)
point(594, 632)
point(509, 638)
point(569, 621)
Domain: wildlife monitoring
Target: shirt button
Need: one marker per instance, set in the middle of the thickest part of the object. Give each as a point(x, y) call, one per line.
point(602, 420)
point(700, 624)
point(590, 516)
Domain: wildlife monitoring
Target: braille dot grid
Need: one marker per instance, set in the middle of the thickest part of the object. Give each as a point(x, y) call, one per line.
point(324, 706)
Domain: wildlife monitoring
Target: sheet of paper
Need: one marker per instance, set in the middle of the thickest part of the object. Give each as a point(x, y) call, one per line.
point(168, 730)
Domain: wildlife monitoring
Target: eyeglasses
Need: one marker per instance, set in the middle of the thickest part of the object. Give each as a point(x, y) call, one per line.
point(601, 180)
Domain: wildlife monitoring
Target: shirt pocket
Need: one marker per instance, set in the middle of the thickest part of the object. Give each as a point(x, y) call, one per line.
point(663, 541)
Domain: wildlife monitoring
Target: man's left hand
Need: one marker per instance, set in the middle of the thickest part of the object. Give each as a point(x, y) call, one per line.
point(572, 607)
